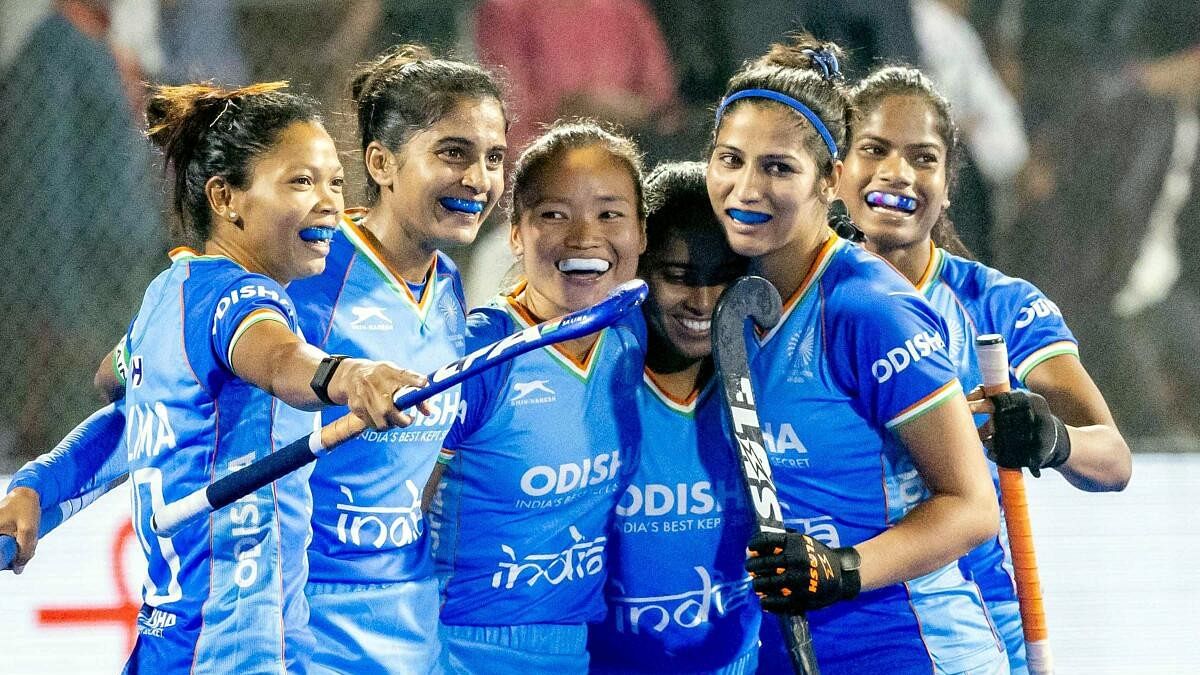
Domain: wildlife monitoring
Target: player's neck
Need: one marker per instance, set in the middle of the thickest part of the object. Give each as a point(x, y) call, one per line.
point(677, 374)
point(787, 267)
point(406, 255)
point(912, 260)
point(247, 258)
point(680, 384)
point(539, 309)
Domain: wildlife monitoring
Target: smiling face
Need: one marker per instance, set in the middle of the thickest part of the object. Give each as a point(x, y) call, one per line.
point(295, 185)
point(896, 161)
point(763, 183)
point(686, 274)
point(444, 181)
point(580, 234)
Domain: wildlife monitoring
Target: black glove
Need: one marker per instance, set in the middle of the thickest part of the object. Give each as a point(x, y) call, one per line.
point(1026, 434)
point(794, 573)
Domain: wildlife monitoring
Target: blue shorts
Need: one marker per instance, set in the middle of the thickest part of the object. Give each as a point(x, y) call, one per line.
point(746, 664)
point(374, 628)
point(1007, 617)
point(528, 649)
point(165, 645)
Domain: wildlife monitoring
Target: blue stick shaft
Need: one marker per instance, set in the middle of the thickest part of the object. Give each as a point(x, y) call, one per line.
point(171, 518)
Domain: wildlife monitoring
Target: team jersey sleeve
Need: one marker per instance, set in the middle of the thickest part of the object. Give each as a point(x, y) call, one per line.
point(479, 393)
point(1031, 324)
point(888, 351)
point(246, 301)
point(120, 360)
point(91, 456)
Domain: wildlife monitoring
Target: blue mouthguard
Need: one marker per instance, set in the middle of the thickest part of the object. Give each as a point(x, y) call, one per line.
point(748, 217)
point(462, 205)
point(317, 233)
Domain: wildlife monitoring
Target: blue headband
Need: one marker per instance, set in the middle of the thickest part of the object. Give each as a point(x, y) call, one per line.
point(789, 102)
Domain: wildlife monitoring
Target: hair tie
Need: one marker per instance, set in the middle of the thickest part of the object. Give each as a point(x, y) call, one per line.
point(827, 61)
point(790, 102)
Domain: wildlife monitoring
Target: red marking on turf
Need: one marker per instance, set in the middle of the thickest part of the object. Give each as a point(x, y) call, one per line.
point(124, 613)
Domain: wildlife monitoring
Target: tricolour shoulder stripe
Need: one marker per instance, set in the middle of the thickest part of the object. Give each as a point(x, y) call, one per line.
point(364, 242)
point(936, 398)
point(816, 269)
point(933, 271)
point(1060, 348)
point(261, 314)
point(581, 368)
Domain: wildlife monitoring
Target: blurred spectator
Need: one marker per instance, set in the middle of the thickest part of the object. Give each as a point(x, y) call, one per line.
point(1107, 91)
point(82, 229)
point(592, 58)
point(952, 53)
point(364, 28)
point(135, 32)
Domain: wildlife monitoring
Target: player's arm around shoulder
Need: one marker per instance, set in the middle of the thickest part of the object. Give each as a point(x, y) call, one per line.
point(961, 512)
point(1100, 460)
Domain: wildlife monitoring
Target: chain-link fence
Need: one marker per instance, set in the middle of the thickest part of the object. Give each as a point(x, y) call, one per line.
point(1087, 183)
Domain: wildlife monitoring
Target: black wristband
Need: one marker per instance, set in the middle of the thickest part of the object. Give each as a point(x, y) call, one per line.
point(321, 378)
point(850, 561)
point(1062, 445)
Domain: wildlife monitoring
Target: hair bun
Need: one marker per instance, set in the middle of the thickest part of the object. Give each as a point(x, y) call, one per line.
point(397, 57)
point(805, 52)
point(826, 61)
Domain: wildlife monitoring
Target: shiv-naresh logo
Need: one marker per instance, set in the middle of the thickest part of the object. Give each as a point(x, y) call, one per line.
point(369, 318)
point(525, 390)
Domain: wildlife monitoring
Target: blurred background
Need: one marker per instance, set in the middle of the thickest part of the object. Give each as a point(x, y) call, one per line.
point(1080, 120)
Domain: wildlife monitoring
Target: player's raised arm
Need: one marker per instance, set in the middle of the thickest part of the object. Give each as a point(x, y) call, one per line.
point(1092, 456)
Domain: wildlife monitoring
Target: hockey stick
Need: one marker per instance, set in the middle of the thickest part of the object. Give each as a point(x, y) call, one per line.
point(756, 299)
point(993, 361)
point(171, 518)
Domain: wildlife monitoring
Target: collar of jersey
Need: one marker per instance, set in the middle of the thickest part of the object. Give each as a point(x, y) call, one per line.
point(368, 247)
point(182, 253)
point(579, 368)
point(686, 407)
point(824, 256)
point(933, 271)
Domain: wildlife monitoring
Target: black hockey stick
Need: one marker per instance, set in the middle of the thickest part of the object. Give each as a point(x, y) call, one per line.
point(754, 298)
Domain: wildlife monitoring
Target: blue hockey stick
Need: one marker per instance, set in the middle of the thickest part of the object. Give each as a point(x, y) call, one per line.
point(170, 519)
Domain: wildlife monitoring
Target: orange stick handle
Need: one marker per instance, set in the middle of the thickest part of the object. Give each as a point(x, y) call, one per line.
point(993, 361)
